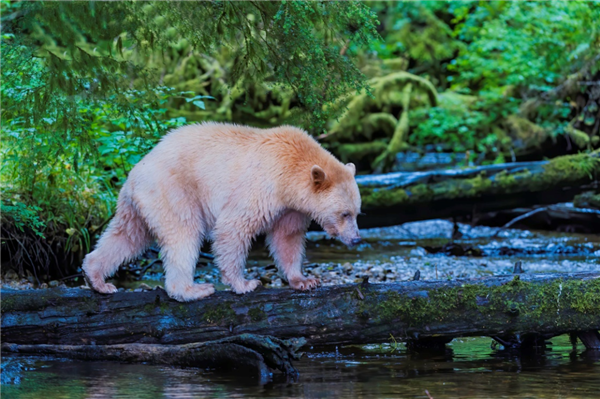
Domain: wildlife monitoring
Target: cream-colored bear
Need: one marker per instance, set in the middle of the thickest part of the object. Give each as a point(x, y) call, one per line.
point(227, 183)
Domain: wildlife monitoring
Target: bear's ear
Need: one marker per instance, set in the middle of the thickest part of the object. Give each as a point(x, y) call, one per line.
point(352, 168)
point(318, 175)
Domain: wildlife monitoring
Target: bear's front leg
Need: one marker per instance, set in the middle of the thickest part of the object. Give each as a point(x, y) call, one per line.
point(180, 257)
point(230, 247)
point(286, 242)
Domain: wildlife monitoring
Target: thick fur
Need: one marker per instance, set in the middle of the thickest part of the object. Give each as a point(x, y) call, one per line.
point(227, 183)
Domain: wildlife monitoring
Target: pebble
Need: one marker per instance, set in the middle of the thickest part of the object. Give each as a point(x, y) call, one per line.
point(277, 283)
point(145, 287)
point(418, 251)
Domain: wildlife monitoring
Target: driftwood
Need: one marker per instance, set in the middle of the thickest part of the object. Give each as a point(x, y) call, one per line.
point(564, 216)
point(246, 352)
point(417, 311)
point(395, 198)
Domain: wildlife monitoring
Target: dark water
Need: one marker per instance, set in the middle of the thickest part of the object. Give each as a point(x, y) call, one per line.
point(470, 368)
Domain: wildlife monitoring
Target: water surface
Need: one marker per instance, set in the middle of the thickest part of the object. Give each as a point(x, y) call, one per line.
point(470, 368)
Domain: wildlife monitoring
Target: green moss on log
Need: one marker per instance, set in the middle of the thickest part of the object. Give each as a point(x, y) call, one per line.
point(220, 314)
point(559, 300)
point(257, 314)
point(589, 199)
point(559, 172)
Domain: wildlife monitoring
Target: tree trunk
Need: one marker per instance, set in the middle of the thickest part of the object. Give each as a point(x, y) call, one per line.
point(395, 198)
point(497, 306)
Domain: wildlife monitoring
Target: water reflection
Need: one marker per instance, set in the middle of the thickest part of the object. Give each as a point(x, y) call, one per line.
point(469, 368)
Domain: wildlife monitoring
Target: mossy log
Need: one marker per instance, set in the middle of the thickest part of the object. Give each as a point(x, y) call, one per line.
point(395, 198)
point(416, 311)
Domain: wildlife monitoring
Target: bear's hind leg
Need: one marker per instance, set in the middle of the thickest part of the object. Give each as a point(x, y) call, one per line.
point(125, 238)
point(286, 242)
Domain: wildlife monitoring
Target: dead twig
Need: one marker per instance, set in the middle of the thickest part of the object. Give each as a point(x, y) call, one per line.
point(519, 218)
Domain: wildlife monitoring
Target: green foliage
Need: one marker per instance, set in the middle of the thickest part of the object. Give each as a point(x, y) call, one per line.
point(463, 122)
point(524, 44)
point(368, 112)
point(422, 33)
point(509, 75)
point(24, 215)
point(96, 49)
point(518, 50)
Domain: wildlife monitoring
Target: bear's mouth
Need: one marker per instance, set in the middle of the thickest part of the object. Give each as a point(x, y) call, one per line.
point(331, 231)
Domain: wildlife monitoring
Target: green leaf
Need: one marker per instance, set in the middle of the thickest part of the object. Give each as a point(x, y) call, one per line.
point(199, 104)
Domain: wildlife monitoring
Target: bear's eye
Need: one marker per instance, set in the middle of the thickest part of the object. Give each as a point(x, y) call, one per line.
point(346, 215)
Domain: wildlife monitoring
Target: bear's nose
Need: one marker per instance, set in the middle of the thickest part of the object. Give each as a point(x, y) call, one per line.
point(356, 241)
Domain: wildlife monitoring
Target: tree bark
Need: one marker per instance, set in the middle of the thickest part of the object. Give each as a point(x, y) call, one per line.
point(348, 314)
point(395, 198)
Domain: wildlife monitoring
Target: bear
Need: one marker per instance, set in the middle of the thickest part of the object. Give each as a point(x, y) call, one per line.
point(227, 183)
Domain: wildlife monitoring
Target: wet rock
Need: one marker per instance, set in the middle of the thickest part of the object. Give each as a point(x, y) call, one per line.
point(455, 249)
point(53, 284)
point(418, 251)
point(277, 283)
point(265, 280)
point(145, 287)
point(348, 267)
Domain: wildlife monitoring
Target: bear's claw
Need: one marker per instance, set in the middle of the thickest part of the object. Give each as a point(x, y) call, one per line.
point(304, 284)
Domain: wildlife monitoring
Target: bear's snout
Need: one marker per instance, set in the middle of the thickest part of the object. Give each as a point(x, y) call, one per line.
point(355, 241)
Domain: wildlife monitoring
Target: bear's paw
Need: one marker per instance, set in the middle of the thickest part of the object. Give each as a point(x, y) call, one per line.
point(304, 283)
point(245, 286)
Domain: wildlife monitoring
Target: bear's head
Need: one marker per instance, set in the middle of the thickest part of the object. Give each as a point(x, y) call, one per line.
point(335, 202)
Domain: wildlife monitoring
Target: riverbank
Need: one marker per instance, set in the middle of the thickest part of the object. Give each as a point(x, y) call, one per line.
point(396, 254)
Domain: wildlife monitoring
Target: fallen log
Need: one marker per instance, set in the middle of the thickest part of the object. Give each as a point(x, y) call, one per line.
point(400, 197)
point(544, 305)
point(561, 217)
point(247, 352)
